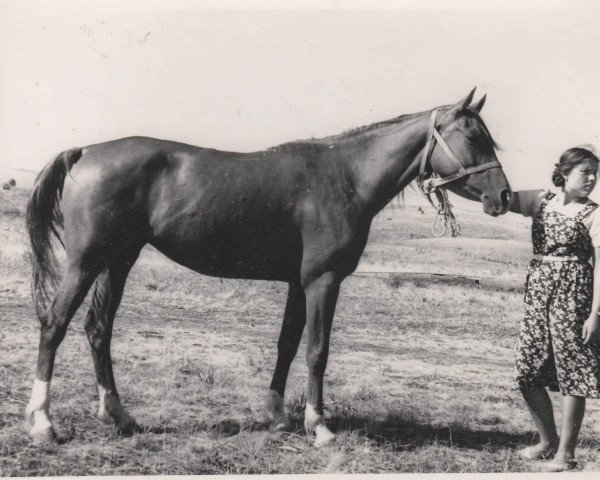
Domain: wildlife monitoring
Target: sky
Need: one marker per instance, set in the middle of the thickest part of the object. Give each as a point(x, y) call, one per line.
point(250, 75)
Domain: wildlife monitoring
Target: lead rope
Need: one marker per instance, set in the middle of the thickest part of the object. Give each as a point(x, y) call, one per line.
point(444, 217)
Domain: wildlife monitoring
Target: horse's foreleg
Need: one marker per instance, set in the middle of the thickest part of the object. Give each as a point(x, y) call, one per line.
point(99, 325)
point(53, 327)
point(321, 297)
point(294, 320)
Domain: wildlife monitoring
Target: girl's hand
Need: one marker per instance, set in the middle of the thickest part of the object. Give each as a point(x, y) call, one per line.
point(591, 329)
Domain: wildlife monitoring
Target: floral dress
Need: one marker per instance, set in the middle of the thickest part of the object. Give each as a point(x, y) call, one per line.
point(558, 299)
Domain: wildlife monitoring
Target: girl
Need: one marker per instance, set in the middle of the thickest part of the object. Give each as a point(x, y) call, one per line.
point(557, 341)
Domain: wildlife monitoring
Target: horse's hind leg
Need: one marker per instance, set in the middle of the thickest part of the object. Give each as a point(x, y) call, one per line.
point(54, 322)
point(98, 325)
point(294, 320)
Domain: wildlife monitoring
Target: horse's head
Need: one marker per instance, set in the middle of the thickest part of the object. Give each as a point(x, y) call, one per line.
point(464, 155)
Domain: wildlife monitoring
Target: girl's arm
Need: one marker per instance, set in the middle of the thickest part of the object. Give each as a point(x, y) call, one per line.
point(591, 328)
point(527, 202)
point(515, 204)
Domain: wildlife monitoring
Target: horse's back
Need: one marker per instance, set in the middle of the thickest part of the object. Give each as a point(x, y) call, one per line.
point(222, 213)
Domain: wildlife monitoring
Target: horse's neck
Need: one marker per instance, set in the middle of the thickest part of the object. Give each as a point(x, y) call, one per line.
point(390, 162)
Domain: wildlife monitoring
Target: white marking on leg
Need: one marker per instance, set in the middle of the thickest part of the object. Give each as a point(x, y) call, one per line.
point(314, 422)
point(102, 412)
point(311, 418)
point(37, 409)
point(277, 411)
point(40, 396)
point(110, 409)
point(40, 422)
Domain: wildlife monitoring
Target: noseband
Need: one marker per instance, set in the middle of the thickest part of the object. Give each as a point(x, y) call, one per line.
point(429, 185)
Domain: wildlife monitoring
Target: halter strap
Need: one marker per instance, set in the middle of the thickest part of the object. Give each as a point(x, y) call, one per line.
point(431, 184)
point(428, 146)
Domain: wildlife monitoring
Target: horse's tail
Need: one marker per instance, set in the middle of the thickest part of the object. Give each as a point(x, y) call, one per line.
point(44, 219)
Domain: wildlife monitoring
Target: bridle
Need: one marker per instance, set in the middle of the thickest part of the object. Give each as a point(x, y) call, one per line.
point(431, 185)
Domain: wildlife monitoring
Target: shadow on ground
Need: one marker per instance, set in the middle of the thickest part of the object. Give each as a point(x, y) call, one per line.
point(397, 431)
point(402, 434)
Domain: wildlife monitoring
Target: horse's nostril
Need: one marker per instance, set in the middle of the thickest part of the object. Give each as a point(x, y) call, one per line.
point(505, 196)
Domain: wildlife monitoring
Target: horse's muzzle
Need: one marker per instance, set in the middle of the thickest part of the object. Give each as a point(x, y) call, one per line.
point(499, 206)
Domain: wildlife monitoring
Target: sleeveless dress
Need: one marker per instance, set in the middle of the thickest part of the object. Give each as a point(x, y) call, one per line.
point(558, 299)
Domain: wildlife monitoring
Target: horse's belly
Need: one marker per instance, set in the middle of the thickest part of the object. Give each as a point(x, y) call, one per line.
point(273, 254)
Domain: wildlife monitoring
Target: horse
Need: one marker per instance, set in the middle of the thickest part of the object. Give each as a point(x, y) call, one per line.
point(298, 213)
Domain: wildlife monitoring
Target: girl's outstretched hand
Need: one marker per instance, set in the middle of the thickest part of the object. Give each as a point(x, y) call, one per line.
point(591, 329)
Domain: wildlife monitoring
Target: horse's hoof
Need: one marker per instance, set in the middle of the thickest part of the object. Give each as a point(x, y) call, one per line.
point(324, 441)
point(105, 418)
point(44, 437)
point(323, 436)
point(280, 425)
point(129, 428)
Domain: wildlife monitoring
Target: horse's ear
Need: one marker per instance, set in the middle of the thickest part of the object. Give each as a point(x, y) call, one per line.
point(479, 105)
point(463, 104)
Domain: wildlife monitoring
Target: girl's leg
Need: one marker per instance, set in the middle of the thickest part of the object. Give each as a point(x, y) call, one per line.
point(540, 407)
point(573, 409)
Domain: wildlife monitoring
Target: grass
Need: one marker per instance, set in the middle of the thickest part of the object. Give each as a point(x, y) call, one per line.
point(418, 378)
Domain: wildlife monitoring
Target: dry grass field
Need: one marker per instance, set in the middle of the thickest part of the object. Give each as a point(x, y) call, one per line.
point(418, 378)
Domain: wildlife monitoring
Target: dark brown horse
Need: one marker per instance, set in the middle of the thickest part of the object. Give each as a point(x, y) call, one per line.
point(298, 213)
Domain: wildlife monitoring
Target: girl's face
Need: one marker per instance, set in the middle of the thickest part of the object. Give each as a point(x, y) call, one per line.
point(582, 179)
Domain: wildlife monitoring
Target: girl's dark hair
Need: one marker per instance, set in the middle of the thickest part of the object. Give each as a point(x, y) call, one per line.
point(569, 159)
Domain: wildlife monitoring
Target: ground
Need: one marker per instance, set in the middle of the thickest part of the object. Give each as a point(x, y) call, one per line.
point(418, 378)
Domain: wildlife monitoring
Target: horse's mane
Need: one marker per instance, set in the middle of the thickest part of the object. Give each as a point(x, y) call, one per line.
point(373, 126)
point(351, 132)
point(479, 125)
